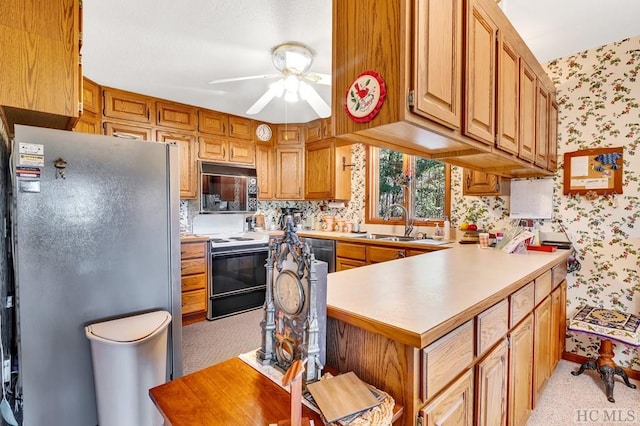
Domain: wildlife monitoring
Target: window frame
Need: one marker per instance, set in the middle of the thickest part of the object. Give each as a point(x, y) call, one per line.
point(371, 188)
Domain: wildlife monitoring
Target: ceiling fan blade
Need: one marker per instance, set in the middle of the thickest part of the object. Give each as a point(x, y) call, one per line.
point(251, 77)
point(316, 102)
point(274, 90)
point(318, 78)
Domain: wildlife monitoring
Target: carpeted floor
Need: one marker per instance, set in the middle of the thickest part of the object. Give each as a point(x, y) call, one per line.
point(566, 400)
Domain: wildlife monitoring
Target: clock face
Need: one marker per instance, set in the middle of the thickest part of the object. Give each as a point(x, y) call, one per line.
point(288, 293)
point(263, 132)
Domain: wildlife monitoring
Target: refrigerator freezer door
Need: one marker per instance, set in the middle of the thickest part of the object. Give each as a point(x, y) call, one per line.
point(99, 242)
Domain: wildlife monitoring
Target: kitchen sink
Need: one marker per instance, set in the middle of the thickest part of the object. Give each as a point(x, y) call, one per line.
point(373, 236)
point(386, 237)
point(394, 238)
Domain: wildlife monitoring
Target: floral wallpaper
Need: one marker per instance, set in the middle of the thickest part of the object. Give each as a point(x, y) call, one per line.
point(598, 95)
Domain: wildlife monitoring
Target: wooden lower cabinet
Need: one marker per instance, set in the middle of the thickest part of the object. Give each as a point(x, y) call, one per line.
point(353, 255)
point(194, 273)
point(558, 322)
point(542, 343)
point(491, 387)
point(344, 264)
point(454, 406)
point(520, 372)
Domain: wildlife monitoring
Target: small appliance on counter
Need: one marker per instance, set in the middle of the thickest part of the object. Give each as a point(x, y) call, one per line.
point(251, 223)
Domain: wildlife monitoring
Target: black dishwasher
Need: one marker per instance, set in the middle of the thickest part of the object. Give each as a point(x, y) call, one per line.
point(324, 250)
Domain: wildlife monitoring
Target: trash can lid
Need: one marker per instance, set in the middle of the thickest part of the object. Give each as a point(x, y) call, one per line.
point(129, 329)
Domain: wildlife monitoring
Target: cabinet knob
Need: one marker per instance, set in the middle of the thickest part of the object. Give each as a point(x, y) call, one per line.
point(400, 254)
point(468, 181)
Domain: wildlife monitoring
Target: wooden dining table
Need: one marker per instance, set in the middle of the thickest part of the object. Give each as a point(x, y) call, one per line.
point(229, 393)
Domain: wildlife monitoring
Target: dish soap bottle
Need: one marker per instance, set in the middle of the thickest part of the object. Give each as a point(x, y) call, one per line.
point(438, 231)
point(447, 228)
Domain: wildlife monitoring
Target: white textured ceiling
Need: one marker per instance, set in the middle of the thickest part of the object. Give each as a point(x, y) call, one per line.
point(171, 49)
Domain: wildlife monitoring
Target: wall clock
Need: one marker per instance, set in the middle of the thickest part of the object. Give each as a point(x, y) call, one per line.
point(264, 132)
point(295, 309)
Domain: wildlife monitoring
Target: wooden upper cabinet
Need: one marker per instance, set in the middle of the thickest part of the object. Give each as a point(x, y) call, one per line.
point(213, 148)
point(542, 127)
point(188, 171)
point(437, 61)
point(314, 131)
point(327, 128)
point(289, 173)
point(91, 99)
point(290, 134)
point(242, 152)
point(508, 94)
point(128, 106)
point(481, 183)
point(212, 122)
point(176, 116)
point(265, 168)
point(127, 131)
point(480, 90)
point(528, 96)
point(553, 134)
point(41, 78)
point(89, 125)
point(325, 178)
point(241, 128)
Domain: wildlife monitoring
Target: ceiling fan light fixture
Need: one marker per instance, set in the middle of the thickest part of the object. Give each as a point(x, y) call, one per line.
point(292, 57)
point(291, 96)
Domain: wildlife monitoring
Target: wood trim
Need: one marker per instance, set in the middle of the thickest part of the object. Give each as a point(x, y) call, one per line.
point(579, 359)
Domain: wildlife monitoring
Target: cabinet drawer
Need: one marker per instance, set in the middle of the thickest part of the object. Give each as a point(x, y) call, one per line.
point(191, 250)
point(194, 282)
point(558, 273)
point(343, 264)
point(491, 326)
point(193, 266)
point(384, 254)
point(194, 301)
point(445, 358)
point(543, 286)
point(522, 302)
point(351, 251)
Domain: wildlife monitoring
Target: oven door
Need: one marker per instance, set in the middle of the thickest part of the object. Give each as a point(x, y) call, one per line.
point(238, 281)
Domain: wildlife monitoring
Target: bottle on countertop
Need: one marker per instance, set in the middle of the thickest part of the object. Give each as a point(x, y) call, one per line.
point(447, 228)
point(438, 231)
point(356, 223)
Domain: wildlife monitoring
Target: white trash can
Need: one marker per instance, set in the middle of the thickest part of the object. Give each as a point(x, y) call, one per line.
point(129, 357)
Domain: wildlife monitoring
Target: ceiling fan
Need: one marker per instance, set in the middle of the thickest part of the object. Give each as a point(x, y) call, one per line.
point(292, 60)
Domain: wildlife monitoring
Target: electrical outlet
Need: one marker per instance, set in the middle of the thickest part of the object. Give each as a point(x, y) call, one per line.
point(9, 301)
point(6, 370)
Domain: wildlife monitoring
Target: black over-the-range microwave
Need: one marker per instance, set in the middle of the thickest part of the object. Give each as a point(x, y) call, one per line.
point(227, 189)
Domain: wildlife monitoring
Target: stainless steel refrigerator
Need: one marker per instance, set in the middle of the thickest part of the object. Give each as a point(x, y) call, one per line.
point(96, 236)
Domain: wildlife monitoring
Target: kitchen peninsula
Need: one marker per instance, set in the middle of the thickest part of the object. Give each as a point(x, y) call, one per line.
point(432, 331)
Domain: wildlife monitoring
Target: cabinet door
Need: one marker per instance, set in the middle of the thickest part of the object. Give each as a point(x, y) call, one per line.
point(558, 325)
point(287, 134)
point(241, 128)
point(90, 96)
point(344, 264)
point(527, 112)
point(454, 406)
point(508, 91)
point(491, 387)
point(520, 372)
point(88, 123)
point(542, 127)
point(480, 183)
point(319, 170)
point(212, 122)
point(314, 131)
point(289, 173)
point(212, 148)
point(176, 116)
point(437, 61)
point(480, 93)
point(186, 142)
point(127, 131)
point(128, 106)
point(542, 347)
point(265, 169)
point(553, 134)
point(242, 152)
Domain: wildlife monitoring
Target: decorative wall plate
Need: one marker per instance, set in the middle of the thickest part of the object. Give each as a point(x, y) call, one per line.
point(365, 97)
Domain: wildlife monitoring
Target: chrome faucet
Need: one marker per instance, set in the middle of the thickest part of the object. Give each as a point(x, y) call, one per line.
point(408, 228)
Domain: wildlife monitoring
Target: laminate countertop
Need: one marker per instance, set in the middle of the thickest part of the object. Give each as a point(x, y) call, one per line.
point(418, 299)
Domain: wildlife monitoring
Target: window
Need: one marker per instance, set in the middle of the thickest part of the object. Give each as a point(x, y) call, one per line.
point(419, 184)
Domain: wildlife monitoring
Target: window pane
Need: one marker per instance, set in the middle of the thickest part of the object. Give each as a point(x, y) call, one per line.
point(429, 199)
point(391, 179)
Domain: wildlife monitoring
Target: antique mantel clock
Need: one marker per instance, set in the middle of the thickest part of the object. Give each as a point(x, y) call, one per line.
point(295, 309)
